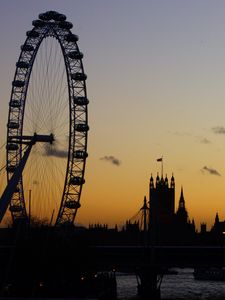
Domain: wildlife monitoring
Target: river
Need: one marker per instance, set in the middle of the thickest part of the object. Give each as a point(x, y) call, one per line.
point(181, 286)
point(176, 287)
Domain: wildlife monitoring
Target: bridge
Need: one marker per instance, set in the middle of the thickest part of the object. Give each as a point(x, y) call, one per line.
point(150, 262)
point(162, 257)
point(45, 255)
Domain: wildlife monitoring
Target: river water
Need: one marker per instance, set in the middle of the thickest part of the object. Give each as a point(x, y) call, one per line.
point(182, 286)
point(176, 287)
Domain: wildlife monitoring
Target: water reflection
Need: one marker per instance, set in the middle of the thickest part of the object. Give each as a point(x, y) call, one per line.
point(176, 287)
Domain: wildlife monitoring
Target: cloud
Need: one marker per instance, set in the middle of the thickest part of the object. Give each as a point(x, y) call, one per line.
point(210, 171)
point(205, 141)
point(218, 130)
point(180, 133)
point(50, 151)
point(112, 159)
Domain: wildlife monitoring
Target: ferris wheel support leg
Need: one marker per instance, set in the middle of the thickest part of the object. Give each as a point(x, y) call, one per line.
point(12, 184)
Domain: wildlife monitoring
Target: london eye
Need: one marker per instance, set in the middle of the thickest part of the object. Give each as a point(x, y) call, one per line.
point(48, 123)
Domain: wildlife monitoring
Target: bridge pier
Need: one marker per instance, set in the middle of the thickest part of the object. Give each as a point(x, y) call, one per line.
point(149, 281)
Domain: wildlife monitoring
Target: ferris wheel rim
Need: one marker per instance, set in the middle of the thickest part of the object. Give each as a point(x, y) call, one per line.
point(51, 24)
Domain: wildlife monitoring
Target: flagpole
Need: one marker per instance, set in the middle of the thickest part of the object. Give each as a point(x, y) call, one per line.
point(161, 160)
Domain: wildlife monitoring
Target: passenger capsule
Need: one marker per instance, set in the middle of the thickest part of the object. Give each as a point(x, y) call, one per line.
point(73, 38)
point(47, 16)
point(15, 103)
point(54, 15)
point(81, 127)
point(27, 48)
point(42, 17)
point(75, 55)
point(51, 14)
point(81, 100)
point(79, 76)
point(18, 83)
point(72, 204)
point(80, 154)
point(60, 17)
point(15, 208)
point(76, 180)
point(38, 23)
point(12, 147)
point(65, 25)
point(22, 64)
point(13, 125)
point(32, 34)
point(11, 168)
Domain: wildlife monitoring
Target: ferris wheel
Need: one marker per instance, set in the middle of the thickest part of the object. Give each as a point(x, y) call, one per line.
point(48, 122)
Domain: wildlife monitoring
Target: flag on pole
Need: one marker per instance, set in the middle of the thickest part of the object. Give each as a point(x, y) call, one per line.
point(161, 160)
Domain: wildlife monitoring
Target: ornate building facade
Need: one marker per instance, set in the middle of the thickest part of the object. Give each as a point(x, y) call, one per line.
point(166, 224)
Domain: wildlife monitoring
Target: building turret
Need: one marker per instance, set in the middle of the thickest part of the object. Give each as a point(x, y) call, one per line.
point(151, 182)
point(216, 227)
point(217, 220)
point(181, 201)
point(157, 180)
point(161, 211)
point(182, 214)
point(172, 183)
point(203, 229)
point(166, 181)
point(193, 225)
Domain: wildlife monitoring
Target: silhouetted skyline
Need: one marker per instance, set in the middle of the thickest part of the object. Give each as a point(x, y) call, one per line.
point(156, 87)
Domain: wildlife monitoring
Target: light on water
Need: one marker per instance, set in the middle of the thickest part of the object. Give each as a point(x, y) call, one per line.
point(177, 287)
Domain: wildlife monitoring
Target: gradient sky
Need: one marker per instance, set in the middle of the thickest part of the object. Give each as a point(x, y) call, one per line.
point(156, 84)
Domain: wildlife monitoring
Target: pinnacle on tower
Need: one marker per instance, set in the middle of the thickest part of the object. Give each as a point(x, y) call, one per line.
point(166, 180)
point(172, 182)
point(217, 220)
point(157, 179)
point(181, 201)
point(151, 182)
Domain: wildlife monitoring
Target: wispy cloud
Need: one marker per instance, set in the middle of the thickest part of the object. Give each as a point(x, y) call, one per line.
point(180, 133)
point(210, 171)
point(205, 141)
point(54, 151)
point(112, 159)
point(218, 130)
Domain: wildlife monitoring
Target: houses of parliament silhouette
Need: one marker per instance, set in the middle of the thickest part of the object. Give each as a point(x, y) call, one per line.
point(161, 221)
point(165, 223)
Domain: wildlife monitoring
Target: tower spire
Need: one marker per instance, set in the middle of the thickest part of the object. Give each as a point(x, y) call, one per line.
point(181, 201)
point(181, 211)
point(172, 183)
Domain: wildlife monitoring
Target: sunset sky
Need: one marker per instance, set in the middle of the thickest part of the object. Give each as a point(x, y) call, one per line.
point(156, 85)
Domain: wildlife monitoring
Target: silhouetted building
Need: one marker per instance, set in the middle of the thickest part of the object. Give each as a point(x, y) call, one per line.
point(184, 229)
point(98, 227)
point(203, 229)
point(162, 205)
point(132, 227)
point(164, 224)
point(182, 215)
point(218, 227)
